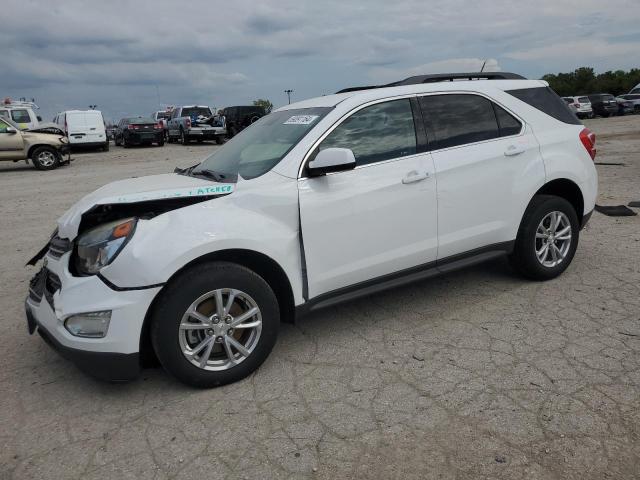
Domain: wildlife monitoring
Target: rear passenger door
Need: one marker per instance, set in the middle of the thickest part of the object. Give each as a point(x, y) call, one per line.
point(487, 164)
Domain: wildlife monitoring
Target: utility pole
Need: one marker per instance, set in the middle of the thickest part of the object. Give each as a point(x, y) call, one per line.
point(288, 92)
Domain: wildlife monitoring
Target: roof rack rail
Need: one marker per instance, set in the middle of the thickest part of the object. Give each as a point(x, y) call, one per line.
point(442, 77)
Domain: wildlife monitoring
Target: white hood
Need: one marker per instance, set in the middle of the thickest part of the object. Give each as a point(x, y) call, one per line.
point(139, 189)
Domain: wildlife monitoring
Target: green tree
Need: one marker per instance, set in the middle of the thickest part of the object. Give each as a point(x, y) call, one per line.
point(263, 102)
point(584, 80)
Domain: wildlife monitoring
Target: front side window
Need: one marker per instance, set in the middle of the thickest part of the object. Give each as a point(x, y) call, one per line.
point(458, 119)
point(261, 146)
point(376, 133)
point(20, 116)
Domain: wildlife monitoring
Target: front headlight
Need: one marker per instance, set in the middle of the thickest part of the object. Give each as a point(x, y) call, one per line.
point(100, 246)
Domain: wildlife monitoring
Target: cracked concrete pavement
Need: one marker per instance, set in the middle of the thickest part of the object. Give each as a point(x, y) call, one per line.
point(476, 374)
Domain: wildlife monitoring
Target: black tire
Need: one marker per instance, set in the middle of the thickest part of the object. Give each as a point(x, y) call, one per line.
point(161, 143)
point(115, 141)
point(524, 258)
point(45, 158)
point(184, 140)
point(105, 147)
point(185, 289)
point(219, 140)
point(123, 142)
point(231, 132)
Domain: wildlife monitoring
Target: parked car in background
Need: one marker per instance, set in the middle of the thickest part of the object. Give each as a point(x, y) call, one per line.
point(580, 105)
point(20, 113)
point(161, 117)
point(625, 107)
point(85, 128)
point(138, 131)
point(635, 90)
point(313, 205)
point(240, 117)
point(634, 98)
point(193, 122)
point(44, 149)
point(603, 104)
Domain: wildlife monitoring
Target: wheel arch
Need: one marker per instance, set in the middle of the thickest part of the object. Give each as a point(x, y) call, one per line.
point(258, 262)
point(32, 148)
point(567, 189)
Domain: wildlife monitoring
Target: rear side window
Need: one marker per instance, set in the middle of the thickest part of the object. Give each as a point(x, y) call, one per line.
point(20, 116)
point(583, 99)
point(507, 123)
point(376, 133)
point(459, 119)
point(547, 101)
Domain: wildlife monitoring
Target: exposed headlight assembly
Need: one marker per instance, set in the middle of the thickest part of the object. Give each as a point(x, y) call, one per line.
point(99, 246)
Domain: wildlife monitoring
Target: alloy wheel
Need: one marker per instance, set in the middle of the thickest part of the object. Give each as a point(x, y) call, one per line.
point(220, 329)
point(46, 158)
point(553, 239)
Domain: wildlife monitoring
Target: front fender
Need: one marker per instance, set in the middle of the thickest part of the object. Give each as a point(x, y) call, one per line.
point(261, 216)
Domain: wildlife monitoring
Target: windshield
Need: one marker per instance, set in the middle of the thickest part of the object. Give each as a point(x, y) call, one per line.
point(163, 115)
point(259, 147)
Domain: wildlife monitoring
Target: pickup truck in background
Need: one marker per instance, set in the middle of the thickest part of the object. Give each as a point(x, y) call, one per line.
point(194, 122)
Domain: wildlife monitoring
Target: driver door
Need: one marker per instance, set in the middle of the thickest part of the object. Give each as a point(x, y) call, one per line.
point(377, 219)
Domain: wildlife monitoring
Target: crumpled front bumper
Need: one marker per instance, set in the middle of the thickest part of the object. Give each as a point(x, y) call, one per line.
point(55, 294)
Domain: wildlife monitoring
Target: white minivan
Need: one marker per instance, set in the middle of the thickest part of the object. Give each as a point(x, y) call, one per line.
point(84, 128)
point(317, 203)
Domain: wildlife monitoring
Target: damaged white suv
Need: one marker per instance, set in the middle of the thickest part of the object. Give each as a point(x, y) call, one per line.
point(319, 202)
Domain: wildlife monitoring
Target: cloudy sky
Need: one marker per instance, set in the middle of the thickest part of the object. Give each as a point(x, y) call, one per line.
point(132, 57)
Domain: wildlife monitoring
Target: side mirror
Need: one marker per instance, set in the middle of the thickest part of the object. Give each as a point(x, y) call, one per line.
point(11, 130)
point(39, 118)
point(331, 160)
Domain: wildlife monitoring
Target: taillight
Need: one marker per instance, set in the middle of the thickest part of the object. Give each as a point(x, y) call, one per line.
point(133, 127)
point(588, 139)
point(188, 123)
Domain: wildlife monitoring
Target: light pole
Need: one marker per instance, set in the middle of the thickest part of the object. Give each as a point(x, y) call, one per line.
point(288, 92)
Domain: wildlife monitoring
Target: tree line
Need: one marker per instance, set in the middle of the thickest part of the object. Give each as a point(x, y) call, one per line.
point(584, 80)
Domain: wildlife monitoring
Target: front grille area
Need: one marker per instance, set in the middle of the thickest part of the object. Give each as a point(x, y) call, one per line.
point(59, 246)
point(44, 283)
point(52, 285)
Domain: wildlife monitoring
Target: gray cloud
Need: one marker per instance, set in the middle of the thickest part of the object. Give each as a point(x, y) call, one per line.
point(125, 55)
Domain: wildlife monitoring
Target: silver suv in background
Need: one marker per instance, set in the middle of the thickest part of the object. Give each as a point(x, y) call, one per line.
point(581, 106)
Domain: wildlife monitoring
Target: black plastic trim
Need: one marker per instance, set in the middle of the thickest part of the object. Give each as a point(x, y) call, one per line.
point(109, 366)
point(441, 77)
point(585, 219)
point(115, 287)
point(403, 277)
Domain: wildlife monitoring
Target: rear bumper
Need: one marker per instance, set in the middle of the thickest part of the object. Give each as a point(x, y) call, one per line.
point(109, 366)
point(206, 134)
point(140, 138)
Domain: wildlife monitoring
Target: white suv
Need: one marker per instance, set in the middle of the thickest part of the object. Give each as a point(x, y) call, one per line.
point(316, 203)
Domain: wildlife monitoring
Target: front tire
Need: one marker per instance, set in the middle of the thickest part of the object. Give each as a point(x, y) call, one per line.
point(215, 324)
point(45, 158)
point(547, 238)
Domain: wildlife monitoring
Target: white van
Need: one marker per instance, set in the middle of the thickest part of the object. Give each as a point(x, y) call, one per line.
point(84, 128)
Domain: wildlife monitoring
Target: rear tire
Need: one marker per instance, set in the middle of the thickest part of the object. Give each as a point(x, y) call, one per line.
point(542, 250)
point(45, 158)
point(183, 138)
point(161, 143)
point(105, 147)
point(219, 140)
point(185, 353)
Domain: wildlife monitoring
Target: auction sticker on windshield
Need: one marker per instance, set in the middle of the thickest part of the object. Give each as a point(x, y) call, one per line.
point(301, 120)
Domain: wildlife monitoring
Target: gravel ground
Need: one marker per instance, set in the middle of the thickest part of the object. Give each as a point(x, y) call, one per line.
point(477, 374)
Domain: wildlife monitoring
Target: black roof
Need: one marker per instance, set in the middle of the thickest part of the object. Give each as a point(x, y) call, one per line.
point(441, 77)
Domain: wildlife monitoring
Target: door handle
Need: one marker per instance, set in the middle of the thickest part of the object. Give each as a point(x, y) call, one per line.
point(414, 176)
point(513, 150)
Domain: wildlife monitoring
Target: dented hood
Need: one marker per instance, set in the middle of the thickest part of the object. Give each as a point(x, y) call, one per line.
point(142, 189)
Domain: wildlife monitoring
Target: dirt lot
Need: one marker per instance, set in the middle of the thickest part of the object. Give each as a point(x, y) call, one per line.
point(476, 374)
